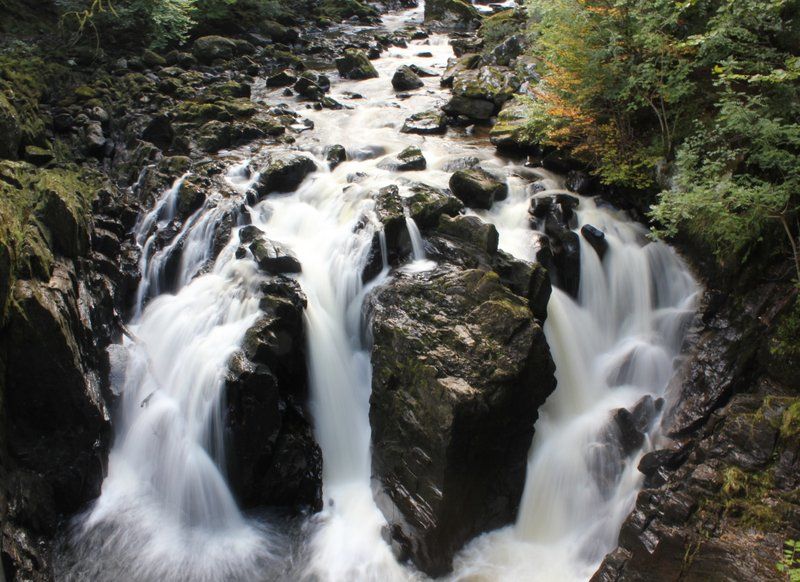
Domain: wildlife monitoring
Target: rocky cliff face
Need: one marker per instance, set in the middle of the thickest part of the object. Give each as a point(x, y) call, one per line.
point(720, 500)
point(67, 285)
point(460, 368)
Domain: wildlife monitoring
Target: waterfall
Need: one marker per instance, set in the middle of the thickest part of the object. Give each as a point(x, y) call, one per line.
point(166, 511)
point(613, 345)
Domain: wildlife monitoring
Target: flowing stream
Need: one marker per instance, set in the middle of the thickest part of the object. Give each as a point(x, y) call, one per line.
point(166, 512)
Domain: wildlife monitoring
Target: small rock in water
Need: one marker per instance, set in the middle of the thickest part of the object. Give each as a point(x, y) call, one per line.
point(405, 79)
point(429, 122)
point(335, 155)
point(283, 78)
point(423, 71)
point(273, 257)
point(355, 65)
point(410, 159)
point(597, 238)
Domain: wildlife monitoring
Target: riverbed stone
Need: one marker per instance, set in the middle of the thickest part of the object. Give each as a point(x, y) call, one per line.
point(471, 229)
point(405, 79)
point(477, 188)
point(273, 459)
point(410, 159)
point(452, 14)
point(354, 64)
point(430, 122)
point(283, 173)
point(475, 109)
point(426, 204)
point(208, 49)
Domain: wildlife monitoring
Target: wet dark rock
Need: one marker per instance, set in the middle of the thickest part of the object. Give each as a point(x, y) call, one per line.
point(579, 182)
point(529, 280)
point(477, 188)
point(423, 71)
point(410, 159)
point(273, 257)
point(335, 155)
point(429, 122)
point(476, 109)
point(159, 132)
point(355, 65)
point(283, 173)
point(273, 459)
point(283, 78)
point(595, 237)
point(390, 213)
point(452, 407)
point(405, 79)
point(426, 204)
point(208, 49)
point(471, 229)
point(308, 88)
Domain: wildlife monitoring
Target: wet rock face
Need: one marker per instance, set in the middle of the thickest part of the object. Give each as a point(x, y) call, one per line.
point(460, 368)
point(719, 501)
point(430, 122)
point(54, 393)
point(273, 458)
point(283, 173)
point(477, 188)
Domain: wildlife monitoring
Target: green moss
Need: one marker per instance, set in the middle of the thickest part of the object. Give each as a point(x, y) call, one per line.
point(790, 425)
point(43, 212)
point(498, 27)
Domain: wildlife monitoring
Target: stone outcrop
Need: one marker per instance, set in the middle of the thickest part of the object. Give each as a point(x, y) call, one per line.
point(460, 367)
point(720, 500)
point(57, 317)
point(273, 458)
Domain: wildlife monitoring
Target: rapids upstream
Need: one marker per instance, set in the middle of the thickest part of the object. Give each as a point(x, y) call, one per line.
point(166, 511)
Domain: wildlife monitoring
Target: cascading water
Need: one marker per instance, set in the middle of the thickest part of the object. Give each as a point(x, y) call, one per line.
point(614, 345)
point(166, 512)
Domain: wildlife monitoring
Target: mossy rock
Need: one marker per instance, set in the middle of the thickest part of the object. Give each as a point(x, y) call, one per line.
point(355, 65)
point(471, 229)
point(10, 130)
point(510, 132)
point(427, 204)
point(456, 14)
point(495, 84)
point(208, 49)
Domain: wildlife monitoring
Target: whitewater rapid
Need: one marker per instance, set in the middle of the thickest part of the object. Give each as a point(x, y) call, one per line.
point(166, 512)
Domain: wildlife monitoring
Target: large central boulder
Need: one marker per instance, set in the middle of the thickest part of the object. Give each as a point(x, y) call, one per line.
point(460, 368)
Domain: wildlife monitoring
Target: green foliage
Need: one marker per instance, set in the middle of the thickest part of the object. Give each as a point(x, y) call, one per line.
point(617, 83)
point(735, 178)
point(711, 85)
point(789, 565)
point(498, 27)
